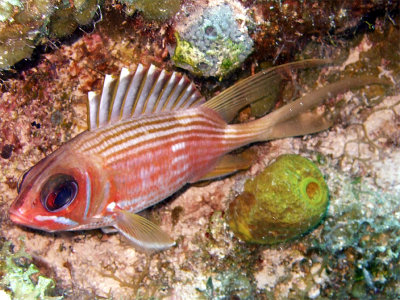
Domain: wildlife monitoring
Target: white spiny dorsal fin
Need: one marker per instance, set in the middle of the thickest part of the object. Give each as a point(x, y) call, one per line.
point(123, 84)
point(144, 91)
point(107, 96)
point(92, 109)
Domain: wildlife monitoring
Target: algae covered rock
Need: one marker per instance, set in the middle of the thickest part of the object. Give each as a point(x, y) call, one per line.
point(287, 199)
point(213, 40)
point(19, 277)
point(25, 24)
point(158, 10)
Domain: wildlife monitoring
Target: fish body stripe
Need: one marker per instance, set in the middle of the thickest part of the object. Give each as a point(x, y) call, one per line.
point(142, 130)
point(138, 126)
point(152, 156)
point(159, 175)
point(163, 167)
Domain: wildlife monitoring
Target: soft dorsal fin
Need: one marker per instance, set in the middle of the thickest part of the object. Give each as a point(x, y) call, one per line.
point(256, 87)
point(144, 91)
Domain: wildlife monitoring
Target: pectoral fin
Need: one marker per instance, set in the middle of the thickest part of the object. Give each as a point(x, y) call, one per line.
point(144, 234)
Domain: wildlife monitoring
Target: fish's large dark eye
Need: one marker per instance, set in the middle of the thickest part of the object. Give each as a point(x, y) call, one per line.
point(58, 192)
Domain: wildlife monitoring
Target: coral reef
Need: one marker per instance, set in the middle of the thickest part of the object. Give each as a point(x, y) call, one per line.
point(28, 23)
point(212, 41)
point(362, 233)
point(271, 26)
point(288, 198)
point(159, 10)
point(68, 16)
point(7, 8)
point(354, 253)
point(20, 30)
point(282, 29)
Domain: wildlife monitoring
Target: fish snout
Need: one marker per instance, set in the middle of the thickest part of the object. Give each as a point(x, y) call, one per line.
point(17, 217)
point(23, 207)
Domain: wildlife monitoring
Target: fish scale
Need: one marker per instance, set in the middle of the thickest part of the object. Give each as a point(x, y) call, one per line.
point(162, 145)
point(150, 133)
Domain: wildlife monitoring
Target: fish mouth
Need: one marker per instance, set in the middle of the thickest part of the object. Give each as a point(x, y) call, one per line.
point(18, 218)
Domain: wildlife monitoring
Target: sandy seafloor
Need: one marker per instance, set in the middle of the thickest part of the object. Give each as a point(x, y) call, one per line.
point(353, 253)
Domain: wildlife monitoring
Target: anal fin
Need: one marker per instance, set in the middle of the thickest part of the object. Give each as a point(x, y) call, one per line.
point(231, 163)
point(142, 233)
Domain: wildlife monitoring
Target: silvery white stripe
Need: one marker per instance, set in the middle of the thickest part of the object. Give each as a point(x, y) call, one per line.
point(160, 132)
point(88, 194)
point(152, 122)
point(61, 220)
point(111, 154)
point(178, 146)
point(154, 195)
point(104, 136)
point(179, 158)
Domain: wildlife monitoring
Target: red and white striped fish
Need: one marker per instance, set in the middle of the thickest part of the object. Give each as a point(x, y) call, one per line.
point(150, 133)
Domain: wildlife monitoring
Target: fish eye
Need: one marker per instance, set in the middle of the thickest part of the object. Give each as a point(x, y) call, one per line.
point(58, 192)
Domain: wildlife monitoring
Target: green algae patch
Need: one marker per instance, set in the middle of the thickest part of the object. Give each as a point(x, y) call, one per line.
point(289, 198)
point(19, 276)
point(158, 10)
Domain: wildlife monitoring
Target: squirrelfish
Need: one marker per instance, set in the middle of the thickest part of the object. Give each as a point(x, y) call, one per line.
point(150, 132)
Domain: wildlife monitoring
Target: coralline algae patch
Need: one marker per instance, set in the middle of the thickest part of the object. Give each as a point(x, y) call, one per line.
point(286, 199)
point(212, 42)
point(21, 279)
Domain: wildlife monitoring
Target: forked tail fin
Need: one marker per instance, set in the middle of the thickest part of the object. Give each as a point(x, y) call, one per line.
point(295, 118)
